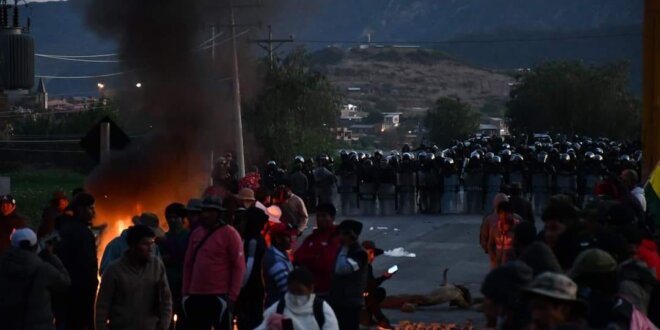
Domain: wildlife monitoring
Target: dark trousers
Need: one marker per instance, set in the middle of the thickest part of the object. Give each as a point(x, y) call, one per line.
point(206, 311)
point(249, 308)
point(348, 317)
point(373, 301)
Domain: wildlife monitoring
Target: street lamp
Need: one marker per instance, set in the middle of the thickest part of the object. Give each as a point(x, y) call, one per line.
point(138, 85)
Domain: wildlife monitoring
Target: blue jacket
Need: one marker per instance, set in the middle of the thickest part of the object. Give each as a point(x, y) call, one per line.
point(276, 268)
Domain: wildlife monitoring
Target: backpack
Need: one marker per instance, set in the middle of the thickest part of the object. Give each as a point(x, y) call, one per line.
point(318, 310)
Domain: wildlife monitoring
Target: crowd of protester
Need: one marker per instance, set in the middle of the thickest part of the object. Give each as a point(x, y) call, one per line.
point(242, 256)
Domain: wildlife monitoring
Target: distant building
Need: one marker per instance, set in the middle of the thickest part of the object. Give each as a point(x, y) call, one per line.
point(359, 130)
point(41, 96)
point(493, 126)
point(343, 134)
point(391, 120)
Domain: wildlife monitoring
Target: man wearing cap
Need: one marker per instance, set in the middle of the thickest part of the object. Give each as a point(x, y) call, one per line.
point(318, 252)
point(27, 280)
point(276, 264)
point(350, 276)
point(213, 270)
point(553, 302)
point(9, 220)
point(595, 272)
point(77, 250)
point(118, 245)
point(375, 293)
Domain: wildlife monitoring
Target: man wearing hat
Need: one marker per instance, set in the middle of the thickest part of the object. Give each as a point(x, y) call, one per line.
point(193, 211)
point(118, 245)
point(350, 276)
point(213, 270)
point(595, 272)
point(277, 264)
point(375, 293)
point(27, 280)
point(553, 302)
point(9, 220)
point(77, 250)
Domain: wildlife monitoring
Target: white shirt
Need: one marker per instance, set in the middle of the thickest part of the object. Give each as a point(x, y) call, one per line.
point(302, 317)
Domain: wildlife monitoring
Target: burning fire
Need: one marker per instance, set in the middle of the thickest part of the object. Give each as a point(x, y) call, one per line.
point(115, 225)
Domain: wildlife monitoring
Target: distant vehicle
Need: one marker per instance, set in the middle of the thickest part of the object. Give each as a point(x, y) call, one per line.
point(542, 137)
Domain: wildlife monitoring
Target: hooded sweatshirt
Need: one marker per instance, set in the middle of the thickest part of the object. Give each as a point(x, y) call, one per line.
point(301, 315)
point(24, 275)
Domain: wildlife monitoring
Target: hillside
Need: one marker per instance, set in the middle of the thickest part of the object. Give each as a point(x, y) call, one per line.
point(58, 28)
point(409, 78)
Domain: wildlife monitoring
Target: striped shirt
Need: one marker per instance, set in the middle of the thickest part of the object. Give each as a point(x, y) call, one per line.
point(276, 267)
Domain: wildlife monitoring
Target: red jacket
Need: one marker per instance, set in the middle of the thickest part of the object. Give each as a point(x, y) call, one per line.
point(318, 253)
point(219, 266)
point(648, 252)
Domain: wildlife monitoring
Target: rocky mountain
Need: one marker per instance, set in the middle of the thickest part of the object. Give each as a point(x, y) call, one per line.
point(58, 28)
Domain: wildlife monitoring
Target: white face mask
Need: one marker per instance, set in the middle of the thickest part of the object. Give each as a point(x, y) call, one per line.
point(299, 301)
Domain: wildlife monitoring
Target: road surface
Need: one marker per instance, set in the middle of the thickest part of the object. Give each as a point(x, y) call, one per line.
point(439, 242)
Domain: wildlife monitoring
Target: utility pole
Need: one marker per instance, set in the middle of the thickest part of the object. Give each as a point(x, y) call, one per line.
point(213, 43)
point(238, 123)
point(267, 45)
point(651, 87)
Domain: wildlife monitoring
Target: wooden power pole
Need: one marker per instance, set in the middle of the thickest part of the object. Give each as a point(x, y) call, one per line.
point(270, 45)
point(651, 89)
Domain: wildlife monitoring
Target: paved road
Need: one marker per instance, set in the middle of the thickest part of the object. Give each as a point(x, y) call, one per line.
point(439, 242)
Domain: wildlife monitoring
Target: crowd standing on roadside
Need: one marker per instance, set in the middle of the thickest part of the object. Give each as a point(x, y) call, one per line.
point(244, 255)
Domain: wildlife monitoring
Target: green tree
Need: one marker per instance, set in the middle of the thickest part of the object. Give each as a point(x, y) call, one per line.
point(450, 119)
point(294, 111)
point(571, 97)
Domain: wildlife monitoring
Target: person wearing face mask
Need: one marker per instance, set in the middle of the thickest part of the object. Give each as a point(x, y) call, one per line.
point(134, 292)
point(173, 251)
point(9, 221)
point(300, 309)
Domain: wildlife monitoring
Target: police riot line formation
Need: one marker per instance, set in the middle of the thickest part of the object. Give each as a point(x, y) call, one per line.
point(462, 178)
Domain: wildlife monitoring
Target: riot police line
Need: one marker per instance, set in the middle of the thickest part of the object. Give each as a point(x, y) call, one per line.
point(460, 179)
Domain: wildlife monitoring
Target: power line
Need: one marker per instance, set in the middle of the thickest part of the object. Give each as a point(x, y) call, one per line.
point(40, 141)
point(78, 56)
point(41, 150)
point(84, 77)
point(474, 41)
point(74, 59)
